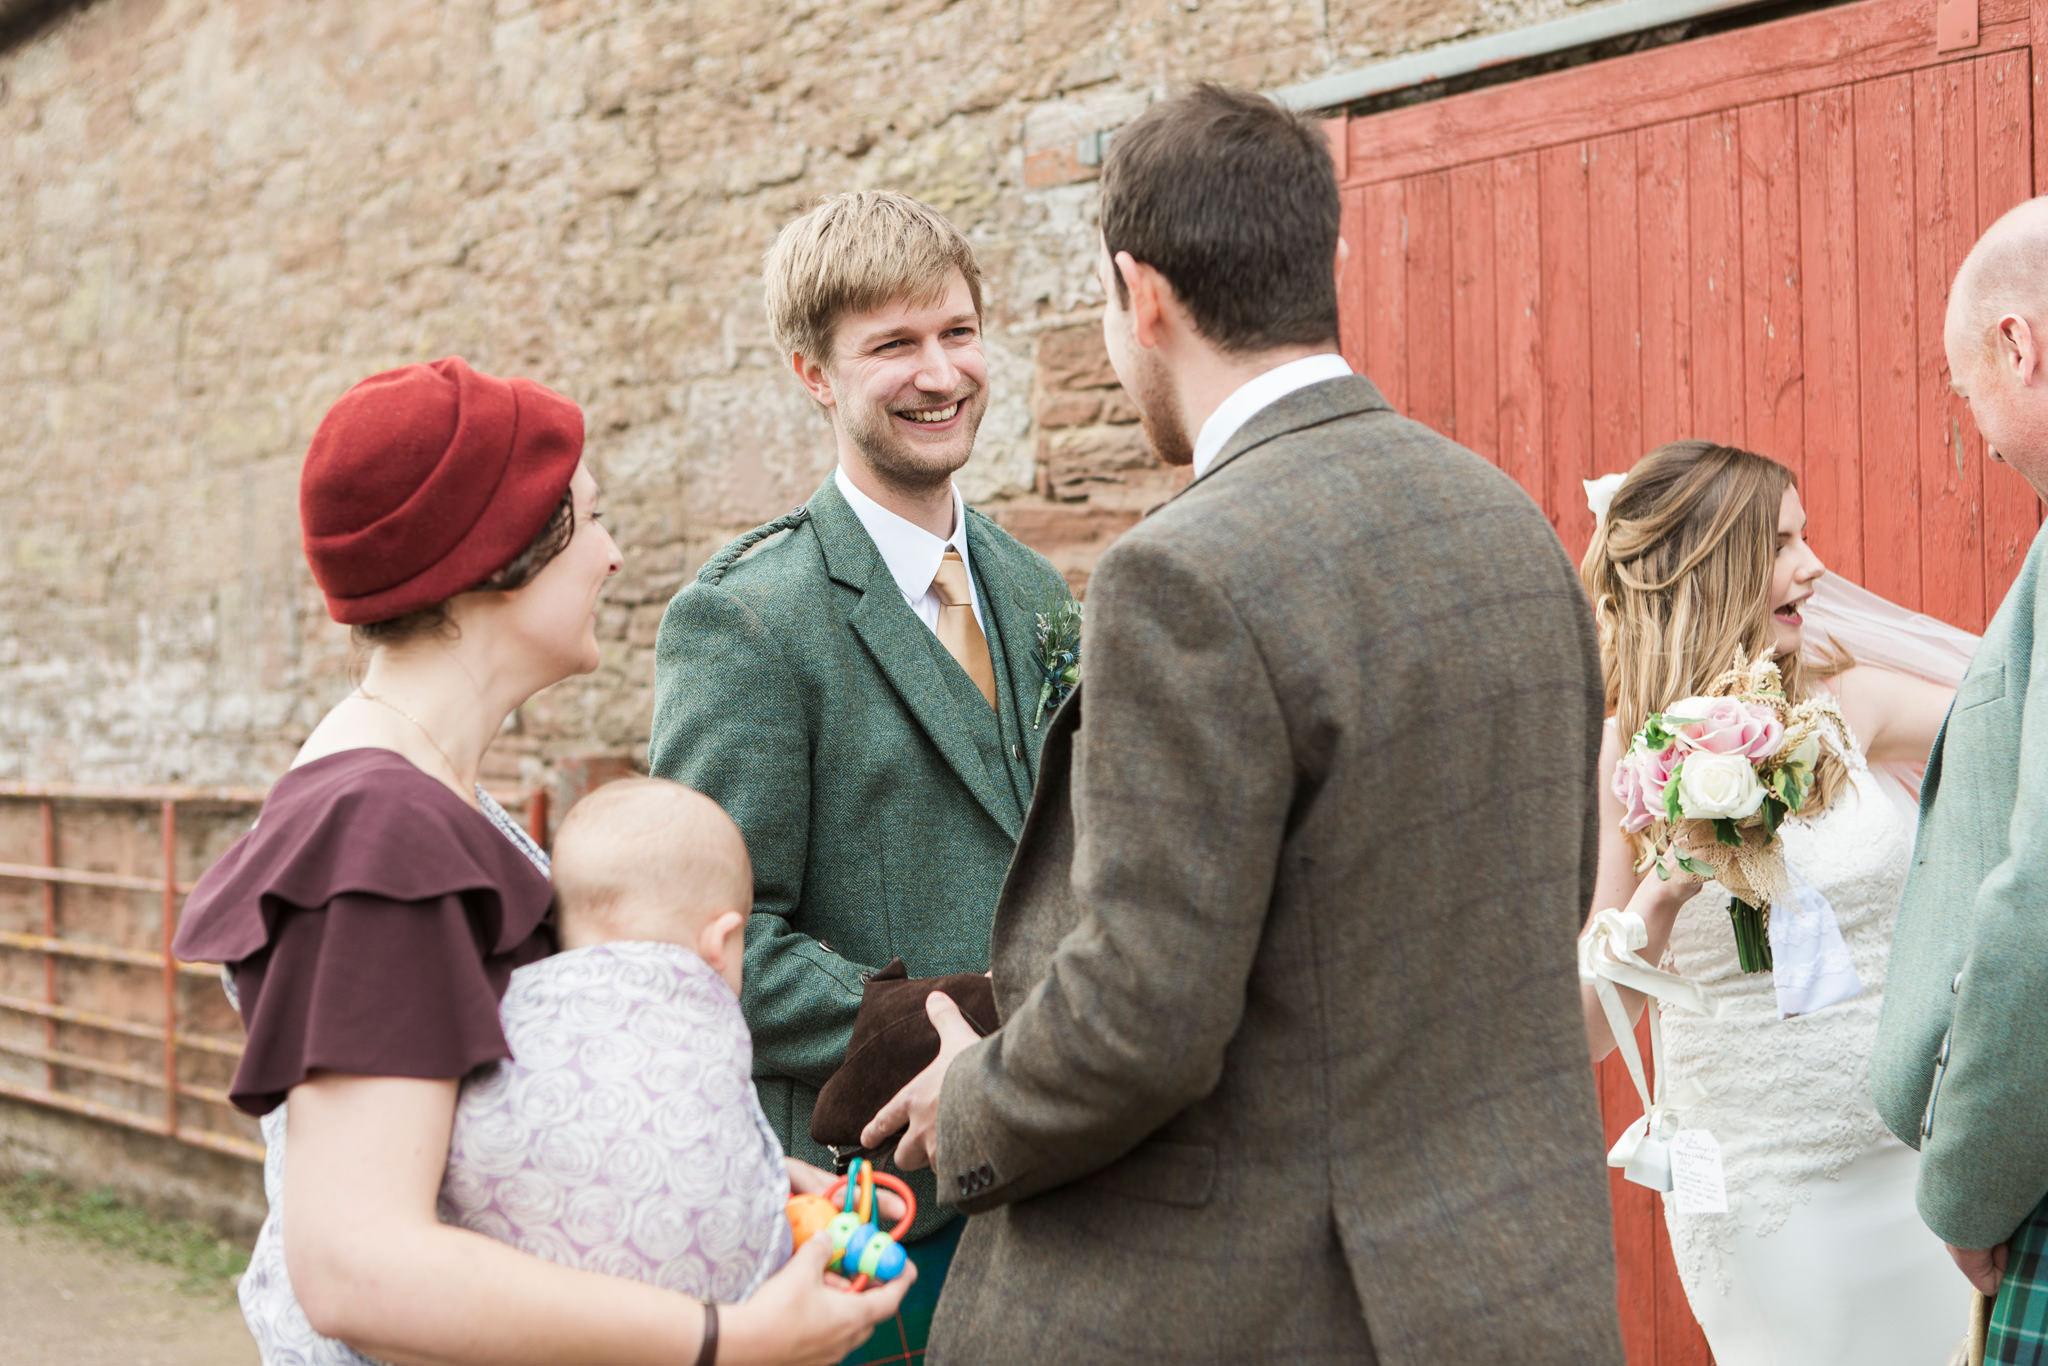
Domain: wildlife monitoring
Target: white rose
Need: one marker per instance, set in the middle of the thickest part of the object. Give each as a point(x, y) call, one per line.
point(1711, 786)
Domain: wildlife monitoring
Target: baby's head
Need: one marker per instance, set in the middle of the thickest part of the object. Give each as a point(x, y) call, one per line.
point(643, 858)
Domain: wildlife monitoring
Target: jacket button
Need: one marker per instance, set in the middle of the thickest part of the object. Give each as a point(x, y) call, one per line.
point(1017, 751)
point(1941, 1058)
point(1955, 985)
point(963, 1185)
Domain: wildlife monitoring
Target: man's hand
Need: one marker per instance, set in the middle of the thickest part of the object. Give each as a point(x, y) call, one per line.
point(1983, 1266)
point(915, 1109)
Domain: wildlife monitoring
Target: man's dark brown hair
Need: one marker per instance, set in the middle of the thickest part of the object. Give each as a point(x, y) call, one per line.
point(1234, 200)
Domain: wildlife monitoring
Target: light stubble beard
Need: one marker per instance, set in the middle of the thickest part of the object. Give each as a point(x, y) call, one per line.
point(896, 463)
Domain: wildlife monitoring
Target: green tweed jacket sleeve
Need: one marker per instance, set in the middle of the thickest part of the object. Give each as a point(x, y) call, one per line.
point(1958, 1063)
point(730, 720)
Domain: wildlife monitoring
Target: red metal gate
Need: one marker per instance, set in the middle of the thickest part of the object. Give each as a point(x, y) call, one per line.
point(1747, 237)
point(97, 1017)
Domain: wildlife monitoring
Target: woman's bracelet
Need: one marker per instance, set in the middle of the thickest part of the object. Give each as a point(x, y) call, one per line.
point(707, 1355)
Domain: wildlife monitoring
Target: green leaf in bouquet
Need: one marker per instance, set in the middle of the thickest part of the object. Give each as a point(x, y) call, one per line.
point(1726, 833)
point(1672, 812)
point(1774, 816)
point(1695, 866)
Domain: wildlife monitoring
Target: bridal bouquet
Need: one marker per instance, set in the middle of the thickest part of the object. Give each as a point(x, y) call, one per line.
point(1710, 781)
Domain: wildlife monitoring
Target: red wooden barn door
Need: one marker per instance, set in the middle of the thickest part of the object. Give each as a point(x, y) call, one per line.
point(1747, 238)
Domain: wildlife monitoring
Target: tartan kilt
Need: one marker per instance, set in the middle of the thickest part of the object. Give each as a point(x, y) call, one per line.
point(900, 1341)
point(2018, 1334)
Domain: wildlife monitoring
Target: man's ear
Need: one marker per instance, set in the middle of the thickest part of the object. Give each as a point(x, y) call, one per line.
point(2019, 350)
point(711, 939)
point(1343, 264)
point(1149, 298)
point(814, 376)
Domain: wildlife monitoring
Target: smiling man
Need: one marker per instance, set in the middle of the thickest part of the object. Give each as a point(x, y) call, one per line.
point(857, 682)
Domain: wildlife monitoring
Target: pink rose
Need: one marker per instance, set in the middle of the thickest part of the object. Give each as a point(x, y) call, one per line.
point(1728, 725)
point(1639, 781)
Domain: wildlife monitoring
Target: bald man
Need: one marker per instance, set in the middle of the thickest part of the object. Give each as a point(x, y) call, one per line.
point(1961, 1067)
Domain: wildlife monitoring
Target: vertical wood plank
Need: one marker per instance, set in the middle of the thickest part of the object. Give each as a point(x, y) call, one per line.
point(1351, 304)
point(1885, 336)
point(1663, 212)
point(2008, 144)
point(1567, 342)
point(1432, 398)
point(2039, 83)
point(1475, 368)
point(1616, 298)
point(1386, 278)
point(1635, 1215)
point(1679, 1339)
point(1714, 193)
point(1518, 301)
point(1773, 368)
point(1833, 490)
point(1949, 454)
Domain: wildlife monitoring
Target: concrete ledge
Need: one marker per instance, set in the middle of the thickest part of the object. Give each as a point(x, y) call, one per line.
point(159, 1174)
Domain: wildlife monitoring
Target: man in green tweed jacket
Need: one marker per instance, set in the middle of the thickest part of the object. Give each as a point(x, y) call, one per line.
point(858, 683)
point(1959, 1068)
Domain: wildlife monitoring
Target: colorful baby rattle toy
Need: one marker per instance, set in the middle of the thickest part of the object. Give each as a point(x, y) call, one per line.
point(860, 1249)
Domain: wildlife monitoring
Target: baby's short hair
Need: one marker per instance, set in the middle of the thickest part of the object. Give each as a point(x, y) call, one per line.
point(854, 252)
point(645, 858)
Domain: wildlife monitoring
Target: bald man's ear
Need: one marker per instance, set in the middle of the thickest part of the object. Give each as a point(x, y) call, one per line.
point(2019, 350)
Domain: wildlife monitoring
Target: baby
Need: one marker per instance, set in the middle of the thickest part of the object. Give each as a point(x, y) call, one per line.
point(624, 1135)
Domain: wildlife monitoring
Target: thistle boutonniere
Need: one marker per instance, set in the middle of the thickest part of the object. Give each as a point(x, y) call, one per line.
point(1059, 655)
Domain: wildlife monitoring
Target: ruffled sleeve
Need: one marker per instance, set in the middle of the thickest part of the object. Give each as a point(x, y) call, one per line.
point(373, 922)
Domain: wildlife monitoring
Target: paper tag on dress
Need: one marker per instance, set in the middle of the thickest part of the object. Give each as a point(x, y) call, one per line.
point(1810, 964)
point(1698, 1184)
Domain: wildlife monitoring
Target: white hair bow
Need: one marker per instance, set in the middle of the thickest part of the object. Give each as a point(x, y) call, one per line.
point(1600, 493)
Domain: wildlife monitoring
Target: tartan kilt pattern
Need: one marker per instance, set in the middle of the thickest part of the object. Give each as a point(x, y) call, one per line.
point(2019, 1318)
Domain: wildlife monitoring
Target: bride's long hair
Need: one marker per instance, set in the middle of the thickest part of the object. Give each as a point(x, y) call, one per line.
point(1679, 572)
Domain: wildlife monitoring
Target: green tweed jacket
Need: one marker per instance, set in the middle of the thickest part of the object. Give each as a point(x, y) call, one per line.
point(880, 795)
point(1958, 1070)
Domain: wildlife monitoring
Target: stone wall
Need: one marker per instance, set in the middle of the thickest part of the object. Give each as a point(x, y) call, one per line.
point(216, 214)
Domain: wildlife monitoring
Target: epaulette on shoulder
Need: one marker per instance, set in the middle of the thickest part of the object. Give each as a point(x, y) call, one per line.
point(718, 565)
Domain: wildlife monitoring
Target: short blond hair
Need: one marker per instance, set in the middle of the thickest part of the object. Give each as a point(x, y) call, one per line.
point(854, 252)
point(645, 858)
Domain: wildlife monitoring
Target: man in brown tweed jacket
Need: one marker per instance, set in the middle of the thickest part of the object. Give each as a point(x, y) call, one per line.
point(1292, 1062)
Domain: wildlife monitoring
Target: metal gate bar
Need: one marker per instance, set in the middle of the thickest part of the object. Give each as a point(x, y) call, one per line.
point(53, 947)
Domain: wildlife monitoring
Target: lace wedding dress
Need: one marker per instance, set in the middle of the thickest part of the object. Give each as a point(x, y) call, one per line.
point(1821, 1259)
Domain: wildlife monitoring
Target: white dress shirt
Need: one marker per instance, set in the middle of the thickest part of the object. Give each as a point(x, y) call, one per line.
point(911, 552)
point(1257, 394)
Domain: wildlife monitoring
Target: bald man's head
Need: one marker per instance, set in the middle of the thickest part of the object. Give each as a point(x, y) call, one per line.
point(647, 859)
point(1995, 333)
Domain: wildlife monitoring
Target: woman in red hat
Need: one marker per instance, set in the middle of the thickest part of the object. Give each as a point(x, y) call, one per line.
point(371, 919)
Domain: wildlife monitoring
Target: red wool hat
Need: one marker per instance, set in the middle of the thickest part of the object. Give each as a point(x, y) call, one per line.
point(424, 481)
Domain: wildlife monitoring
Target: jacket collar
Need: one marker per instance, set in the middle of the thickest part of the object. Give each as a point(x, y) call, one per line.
point(1328, 401)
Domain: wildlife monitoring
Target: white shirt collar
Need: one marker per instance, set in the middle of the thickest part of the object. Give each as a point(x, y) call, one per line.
point(911, 552)
point(1257, 394)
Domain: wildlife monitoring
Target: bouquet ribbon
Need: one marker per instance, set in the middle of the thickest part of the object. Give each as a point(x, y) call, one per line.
point(1608, 960)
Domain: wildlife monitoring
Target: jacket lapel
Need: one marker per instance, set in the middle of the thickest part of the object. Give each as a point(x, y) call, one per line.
point(903, 649)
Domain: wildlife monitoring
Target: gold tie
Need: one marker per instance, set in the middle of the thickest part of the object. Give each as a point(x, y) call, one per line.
point(957, 630)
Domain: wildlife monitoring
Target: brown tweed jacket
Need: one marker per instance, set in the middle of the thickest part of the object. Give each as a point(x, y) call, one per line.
point(1292, 1065)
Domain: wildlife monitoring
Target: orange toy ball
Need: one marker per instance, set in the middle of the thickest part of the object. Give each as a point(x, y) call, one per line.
point(807, 1215)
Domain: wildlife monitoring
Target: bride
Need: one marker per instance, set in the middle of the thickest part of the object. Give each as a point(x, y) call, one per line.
point(1820, 1257)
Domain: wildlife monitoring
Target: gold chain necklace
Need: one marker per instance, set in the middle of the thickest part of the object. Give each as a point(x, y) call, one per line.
point(418, 725)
